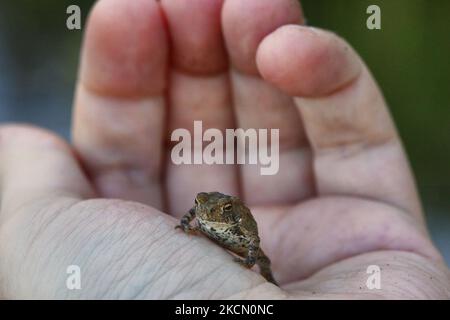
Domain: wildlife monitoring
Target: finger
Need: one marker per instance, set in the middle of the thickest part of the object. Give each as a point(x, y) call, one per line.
point(357, 150)
point(304, 239)
point(119, 106)
point(348, 279)
point(259, 104)
point(36, 165)
point(199, 90)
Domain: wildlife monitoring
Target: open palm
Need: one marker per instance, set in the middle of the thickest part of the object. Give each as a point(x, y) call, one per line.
point(343, 199)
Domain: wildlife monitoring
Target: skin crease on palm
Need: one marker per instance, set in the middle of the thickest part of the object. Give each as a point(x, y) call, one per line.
point(344, 197)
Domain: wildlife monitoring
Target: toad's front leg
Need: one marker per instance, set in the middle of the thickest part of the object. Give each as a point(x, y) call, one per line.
point(256, 255)
point(252, 255)
point(185, 222)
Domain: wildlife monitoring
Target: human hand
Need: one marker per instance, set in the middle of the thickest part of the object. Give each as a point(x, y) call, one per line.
point(344, 197)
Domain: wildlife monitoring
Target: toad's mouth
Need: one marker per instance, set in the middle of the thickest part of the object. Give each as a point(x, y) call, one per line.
point(215, 226)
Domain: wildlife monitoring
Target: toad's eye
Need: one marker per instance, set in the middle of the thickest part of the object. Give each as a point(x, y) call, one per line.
point(196, 201)
point(227, 207)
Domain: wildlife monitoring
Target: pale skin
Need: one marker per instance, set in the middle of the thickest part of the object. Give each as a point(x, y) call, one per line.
point(344, 198)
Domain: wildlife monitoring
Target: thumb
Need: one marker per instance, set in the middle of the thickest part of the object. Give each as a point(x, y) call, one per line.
point(34, 165)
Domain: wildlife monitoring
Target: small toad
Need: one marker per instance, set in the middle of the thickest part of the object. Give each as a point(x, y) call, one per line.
point(227, 221)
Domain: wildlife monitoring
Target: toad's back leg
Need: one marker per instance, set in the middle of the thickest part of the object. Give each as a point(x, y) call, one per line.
point(263, 263)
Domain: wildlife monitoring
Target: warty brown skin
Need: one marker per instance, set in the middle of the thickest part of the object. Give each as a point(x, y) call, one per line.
point(227, 221)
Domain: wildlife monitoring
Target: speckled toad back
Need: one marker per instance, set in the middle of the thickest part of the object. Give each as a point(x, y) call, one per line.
point(226, 220)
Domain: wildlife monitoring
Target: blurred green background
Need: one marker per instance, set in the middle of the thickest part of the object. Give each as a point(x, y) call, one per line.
point(409, 57)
